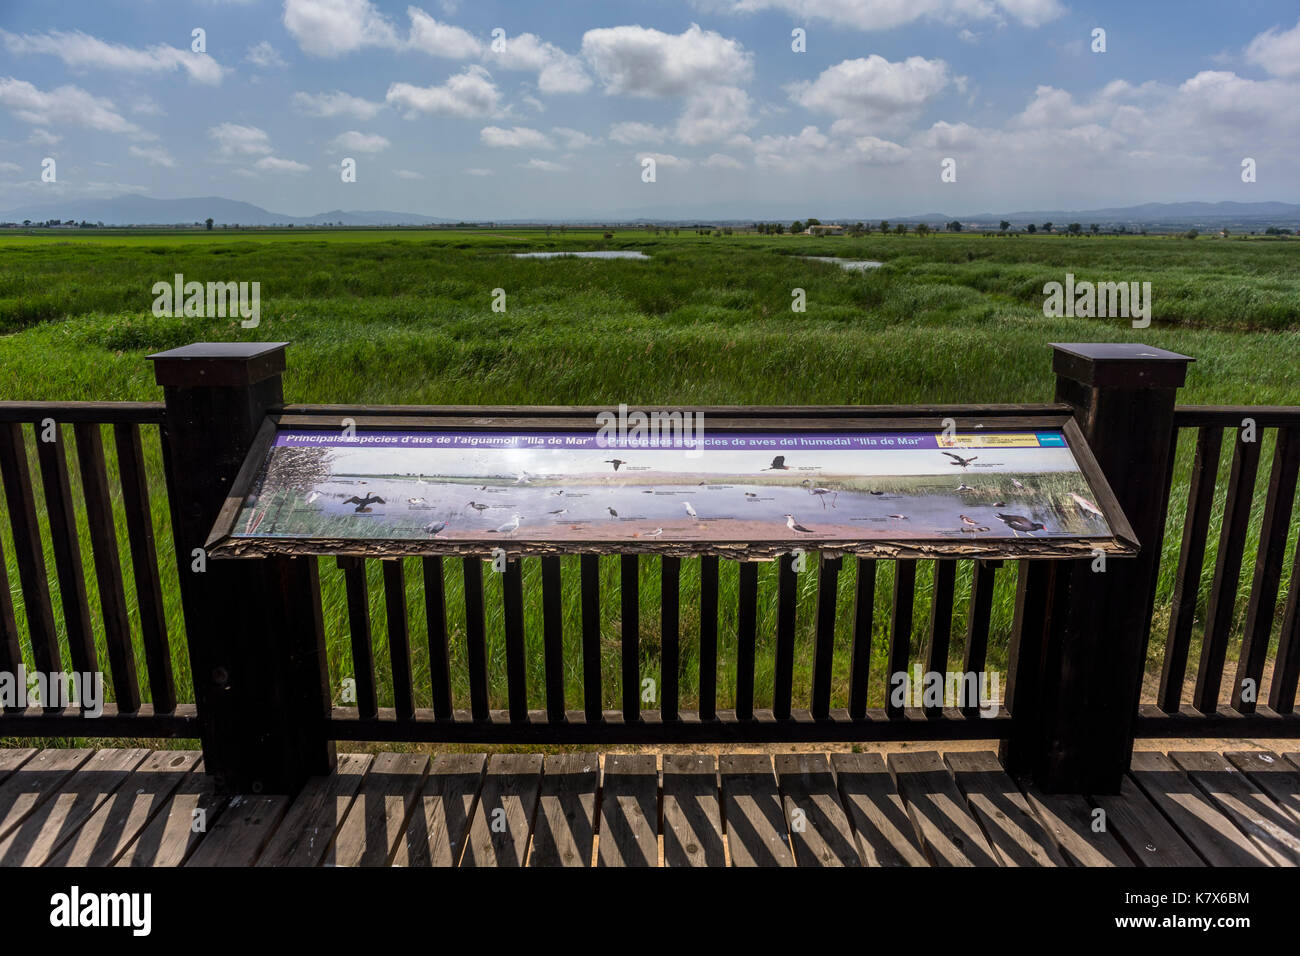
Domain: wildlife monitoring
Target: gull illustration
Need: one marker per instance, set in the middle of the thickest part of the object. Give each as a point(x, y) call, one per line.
point(690, 511)
point(959, 460)
point(363, 504)
point(510, 527)
point(796, 526)
point(655, 533)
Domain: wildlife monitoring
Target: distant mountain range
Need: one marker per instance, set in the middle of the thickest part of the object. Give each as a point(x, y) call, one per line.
point(133, 210)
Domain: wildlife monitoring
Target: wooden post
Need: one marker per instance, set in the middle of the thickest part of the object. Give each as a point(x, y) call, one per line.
point(1096, 639)
point(256, 641)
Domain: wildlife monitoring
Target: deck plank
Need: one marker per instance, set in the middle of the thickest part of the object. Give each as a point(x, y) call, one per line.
point(58, 818)
point(241, 831)
point(629, 811)
point(692, 815)
point(39, 777)
point(307, 831)
point(751, 811)
point(440, 819)
point(1232, 793)
point(1069, 818)
point(179, 826)
point(120, 819)
point(11, 760)
point(565, 830)
point(1001, 809)
point(1208, 831)
point(1273, 775)
point(1143, 830)
point(823, 837)
point(369, 834)
point(503, 820)
point(949, 833)
point(884, 834)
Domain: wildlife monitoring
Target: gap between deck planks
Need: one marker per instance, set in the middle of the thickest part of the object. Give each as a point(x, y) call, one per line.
point(133, 808)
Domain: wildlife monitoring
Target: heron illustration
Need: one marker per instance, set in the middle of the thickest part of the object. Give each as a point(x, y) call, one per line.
point(959, 460)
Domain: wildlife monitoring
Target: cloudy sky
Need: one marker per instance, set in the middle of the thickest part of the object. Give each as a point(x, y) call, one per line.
point(483, 109)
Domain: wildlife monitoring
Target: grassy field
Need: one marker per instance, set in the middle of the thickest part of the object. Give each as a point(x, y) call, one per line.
point(405, 317)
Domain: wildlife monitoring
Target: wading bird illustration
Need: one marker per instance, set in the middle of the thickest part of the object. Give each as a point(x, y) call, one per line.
point(971, 524)
point(613, 513)
point(750, 494)
point(558, 494)
point(877, 492)
point(476, 506)
point(615, 462)
point(313, 496)
point(510, 527)
point(1017, 485)
point(655, 533)
point(959, 460)
point(363, 504)
point(820, 492)
point(434, 528)
point(963, 488)
point(415, 501)
point(690, 511)
point(1020, 524)
point(1086, 506)
point(778, 464)
point(524, 478)
point(796, 526)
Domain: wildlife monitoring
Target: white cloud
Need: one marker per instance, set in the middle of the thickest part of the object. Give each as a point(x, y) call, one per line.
point(872, 88)
point(723, 161)
point(235, 141)
point(274, 164)
point(667, 160)
point(573, 138)
point(887, 14)
point(154, 155)
point(638, 61)
point(42, 137)
point(407, 174)
point(83, 51)
point(10, 168)
point(264, 55)
point(441, 39)
point(336, 104)
point(477, 171)
point(1276, 53)
point(714, 115)
point(520, 137)
point(62, 106)
point(545, 165)
point(466, 95)
point(632, 133)
point(356, 142)
point(557, 71)
point(332, 27)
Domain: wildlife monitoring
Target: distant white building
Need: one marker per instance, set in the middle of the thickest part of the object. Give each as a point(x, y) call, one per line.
point(827, 230)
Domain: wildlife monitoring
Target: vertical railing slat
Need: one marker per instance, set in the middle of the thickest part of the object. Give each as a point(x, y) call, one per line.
point(363, 663)
point(900, 631)
point(108, 567)
point(11, 654)
point(399, 639)
point(670, 576)
point(1268, 570)
point(512, 600)
point(553, 638)
point(62, 516)
point(629, 597)
point(435, 615)
point(1227, 574)
point(144, 566)
point(864, 609)
point(787, 599)
point(1191, 558)
point(1286, 668)
point(939, 638)
point(28, 553)
point(592, 693)
point(708, 638)
point(476, 638)
point(975, 655)
point(746, 638)
point(828, 580)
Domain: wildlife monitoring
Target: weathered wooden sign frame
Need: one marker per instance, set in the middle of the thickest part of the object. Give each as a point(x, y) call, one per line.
point(978, 535)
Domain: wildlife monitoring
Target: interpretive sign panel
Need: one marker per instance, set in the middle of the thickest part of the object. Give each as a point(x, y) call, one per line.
point(436, 490)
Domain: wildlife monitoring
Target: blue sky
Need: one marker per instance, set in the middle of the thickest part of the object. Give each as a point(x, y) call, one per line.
point(558, 120)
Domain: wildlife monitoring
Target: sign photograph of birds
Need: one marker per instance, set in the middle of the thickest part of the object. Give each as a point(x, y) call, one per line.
point(493, 487)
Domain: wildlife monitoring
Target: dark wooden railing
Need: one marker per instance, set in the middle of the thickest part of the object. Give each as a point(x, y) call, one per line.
point(266, 698)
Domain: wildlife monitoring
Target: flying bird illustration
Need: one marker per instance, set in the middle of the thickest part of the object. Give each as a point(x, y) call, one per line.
point(615, 462)
point(434, 528)
point(959, 460)
point(1085, 505)
point(363, 504)
point(778, 464)
point(1020, 524)
point(796, 526)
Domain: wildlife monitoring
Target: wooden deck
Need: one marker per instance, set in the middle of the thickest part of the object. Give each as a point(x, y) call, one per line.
point(142, 808)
